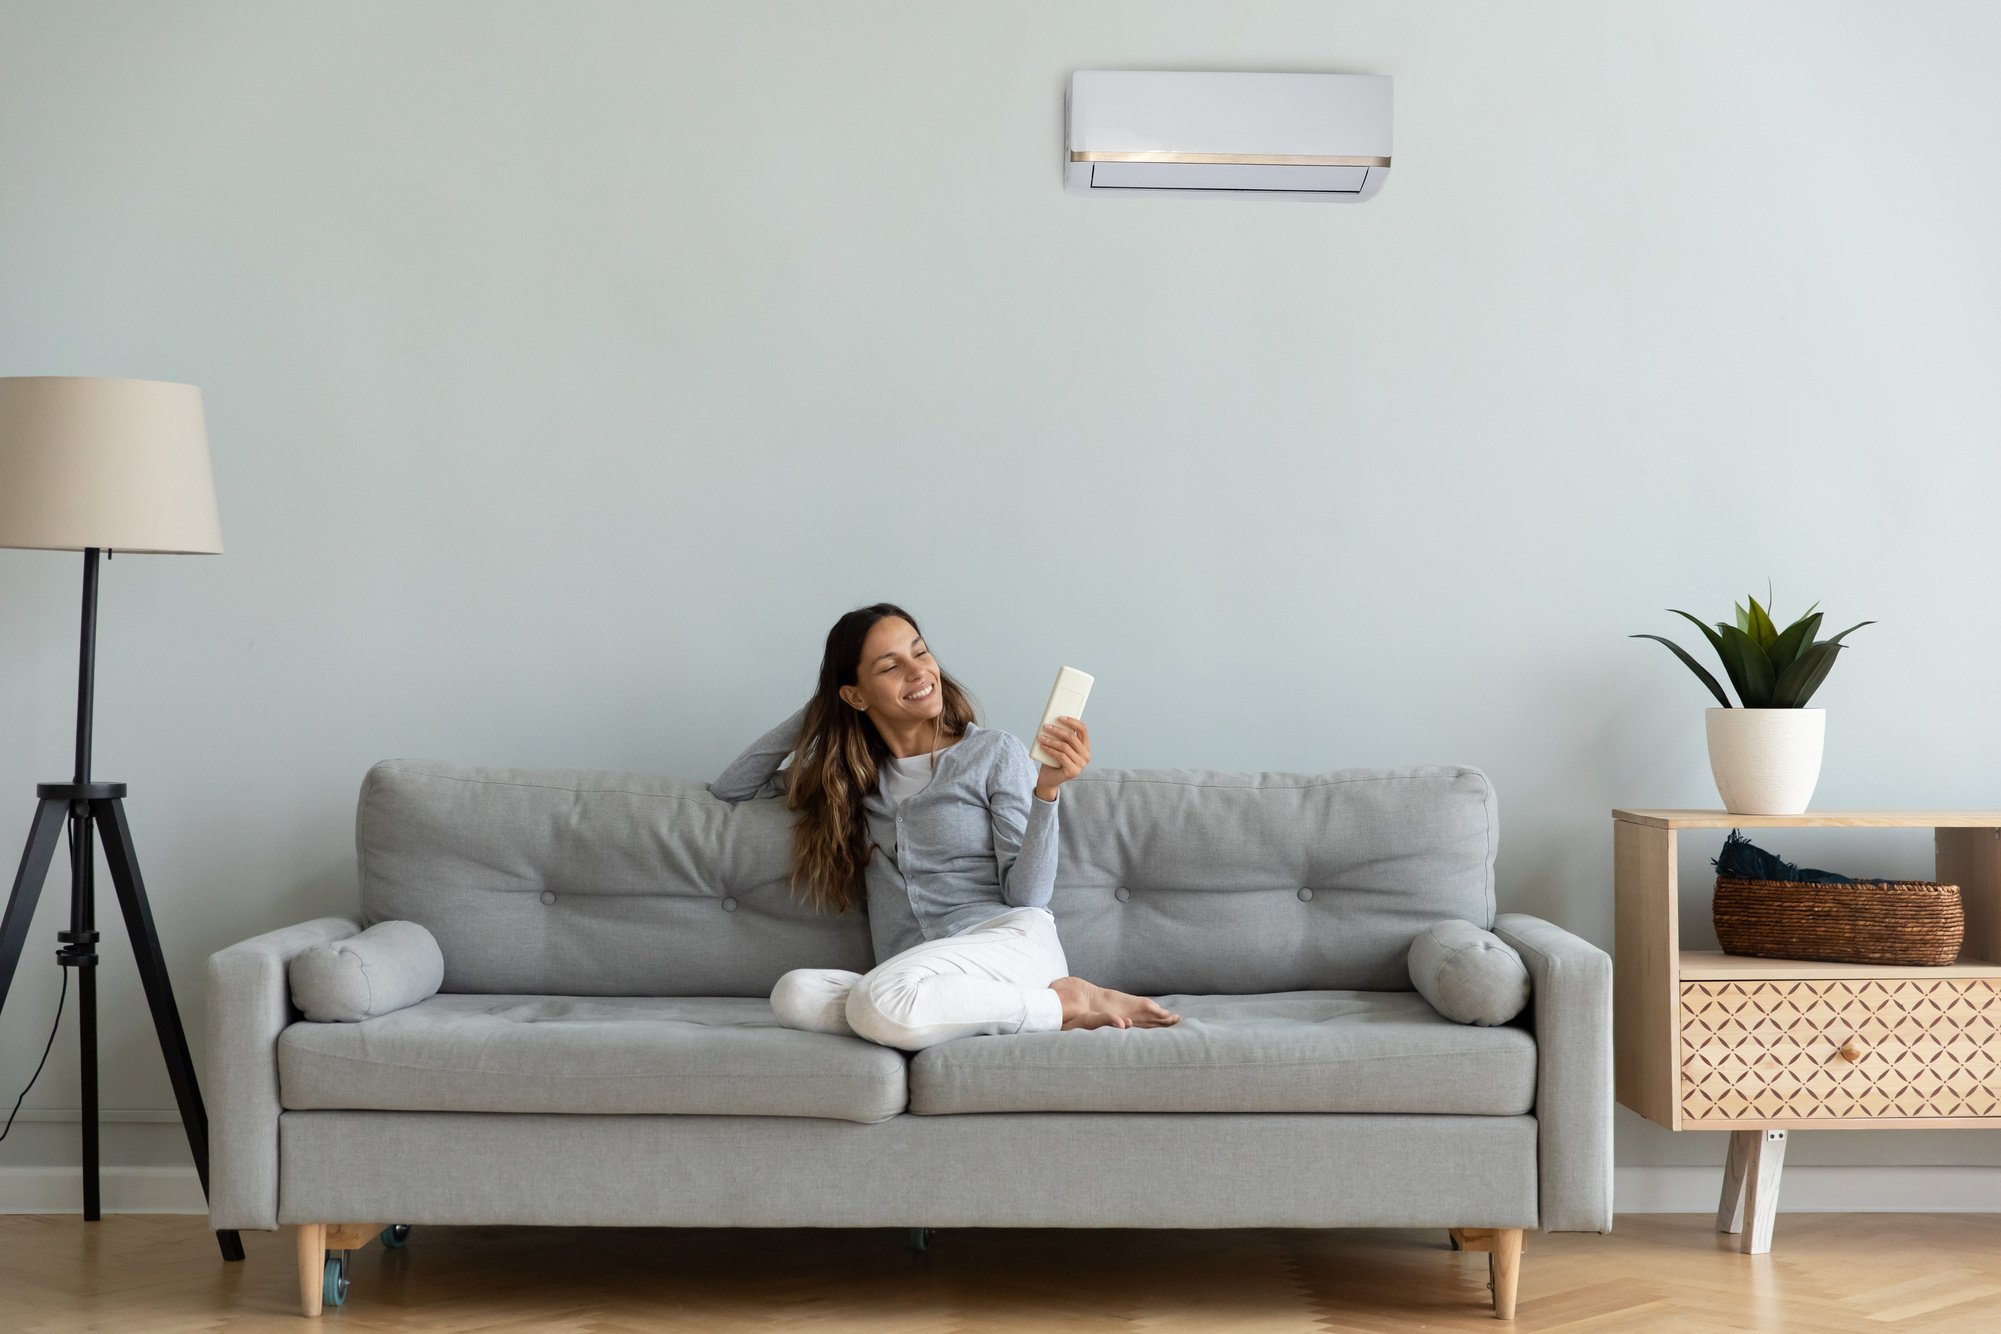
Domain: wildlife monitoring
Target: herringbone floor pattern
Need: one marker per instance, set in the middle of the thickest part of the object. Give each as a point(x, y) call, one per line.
point(1828, 1272)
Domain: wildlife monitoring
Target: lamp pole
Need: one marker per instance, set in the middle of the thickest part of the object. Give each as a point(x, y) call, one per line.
point(79, 947)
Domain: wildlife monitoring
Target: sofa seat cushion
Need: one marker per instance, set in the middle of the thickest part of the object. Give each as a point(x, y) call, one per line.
point(604, 1054)
point(1290, 1051)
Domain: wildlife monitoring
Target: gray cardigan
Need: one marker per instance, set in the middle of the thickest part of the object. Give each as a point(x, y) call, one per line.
point(974, 844)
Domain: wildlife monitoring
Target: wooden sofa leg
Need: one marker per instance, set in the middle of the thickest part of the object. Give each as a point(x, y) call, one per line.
point(315, 1240)
point(1504, 1246)
point(1507, 1268)
point(312, 1263)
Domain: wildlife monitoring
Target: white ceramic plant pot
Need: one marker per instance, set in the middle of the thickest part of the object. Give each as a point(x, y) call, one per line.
point(1766, 761)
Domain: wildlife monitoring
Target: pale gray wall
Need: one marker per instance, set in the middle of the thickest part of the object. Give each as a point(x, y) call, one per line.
point(570, 367)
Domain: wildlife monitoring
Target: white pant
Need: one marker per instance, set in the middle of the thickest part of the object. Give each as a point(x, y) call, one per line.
point(990, 978)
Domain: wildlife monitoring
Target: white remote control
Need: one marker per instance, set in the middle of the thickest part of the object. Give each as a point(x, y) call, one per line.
point(1066, 700)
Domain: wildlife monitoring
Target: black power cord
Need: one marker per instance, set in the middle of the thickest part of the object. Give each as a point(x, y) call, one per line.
point(45, 1057)
point(60, 999)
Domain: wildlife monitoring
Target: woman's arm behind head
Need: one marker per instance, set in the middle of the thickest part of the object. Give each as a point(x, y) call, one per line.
point(751, 773)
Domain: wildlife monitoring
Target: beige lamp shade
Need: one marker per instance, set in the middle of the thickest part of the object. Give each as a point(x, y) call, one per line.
point(118, 464)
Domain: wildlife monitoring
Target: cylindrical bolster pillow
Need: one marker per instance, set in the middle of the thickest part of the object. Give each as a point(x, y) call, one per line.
point(388, 966)
point(1468, 974)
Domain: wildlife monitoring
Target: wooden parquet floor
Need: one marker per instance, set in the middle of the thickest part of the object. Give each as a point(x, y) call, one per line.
point(1827, 1272)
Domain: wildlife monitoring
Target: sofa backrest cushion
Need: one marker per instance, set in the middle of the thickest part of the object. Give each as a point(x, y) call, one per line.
point(577, 882)
point(588, 882)
point(1198, 881)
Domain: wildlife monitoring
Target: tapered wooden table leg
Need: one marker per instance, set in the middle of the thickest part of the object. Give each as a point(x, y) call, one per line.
point(1761, 1189)
point(1730, 1211)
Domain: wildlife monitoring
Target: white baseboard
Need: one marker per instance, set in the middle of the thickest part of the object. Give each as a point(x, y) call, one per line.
point(120, 1190)
point(1816, 1190)
point(1635, 1190)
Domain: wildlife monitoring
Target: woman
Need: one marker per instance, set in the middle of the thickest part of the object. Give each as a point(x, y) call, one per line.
point(889, 759)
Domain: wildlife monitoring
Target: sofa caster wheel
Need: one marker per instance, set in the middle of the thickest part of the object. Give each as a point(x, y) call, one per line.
point(920, 1238)
point(396, 1236)
point(334, 1291)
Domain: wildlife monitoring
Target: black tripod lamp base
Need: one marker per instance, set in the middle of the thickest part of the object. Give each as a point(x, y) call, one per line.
point(99, 809)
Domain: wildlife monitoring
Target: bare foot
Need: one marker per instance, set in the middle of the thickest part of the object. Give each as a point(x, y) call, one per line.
point(1088, 1005)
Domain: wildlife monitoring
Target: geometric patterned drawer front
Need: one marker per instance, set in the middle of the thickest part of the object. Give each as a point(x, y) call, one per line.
point(1774, 1050)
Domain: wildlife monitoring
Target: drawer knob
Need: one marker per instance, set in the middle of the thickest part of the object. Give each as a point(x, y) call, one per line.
point(1852, 1050)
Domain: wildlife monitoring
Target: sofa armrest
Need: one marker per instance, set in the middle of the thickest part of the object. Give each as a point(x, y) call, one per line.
point(249, 1005)
point(1571, 1010)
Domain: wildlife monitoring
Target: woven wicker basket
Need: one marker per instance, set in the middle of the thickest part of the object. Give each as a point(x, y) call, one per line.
point(1913, 922)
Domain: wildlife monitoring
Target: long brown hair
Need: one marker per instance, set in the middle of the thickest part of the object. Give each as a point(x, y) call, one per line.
point(838, 762)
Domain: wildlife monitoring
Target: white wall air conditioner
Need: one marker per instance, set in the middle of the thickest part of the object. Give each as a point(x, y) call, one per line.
point(1270, 136)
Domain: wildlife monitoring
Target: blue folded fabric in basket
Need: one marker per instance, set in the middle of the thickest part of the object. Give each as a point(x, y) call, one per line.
point(1745, 860)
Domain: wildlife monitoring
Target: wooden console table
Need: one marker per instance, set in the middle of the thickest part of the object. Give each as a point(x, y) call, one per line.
point(1758, 1047)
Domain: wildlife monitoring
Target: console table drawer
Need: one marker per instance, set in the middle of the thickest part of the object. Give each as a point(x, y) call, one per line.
point(1824, 1050)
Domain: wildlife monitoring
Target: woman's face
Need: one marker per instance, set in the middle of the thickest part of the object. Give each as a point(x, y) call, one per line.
point(895, 666)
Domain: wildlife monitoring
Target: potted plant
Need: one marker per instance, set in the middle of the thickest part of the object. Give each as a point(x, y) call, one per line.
point(1765, 754)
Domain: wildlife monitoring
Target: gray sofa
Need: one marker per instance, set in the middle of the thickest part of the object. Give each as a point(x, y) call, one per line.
point(603, 1053)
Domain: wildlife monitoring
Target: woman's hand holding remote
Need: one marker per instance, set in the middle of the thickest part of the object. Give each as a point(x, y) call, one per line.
point(1070, 742)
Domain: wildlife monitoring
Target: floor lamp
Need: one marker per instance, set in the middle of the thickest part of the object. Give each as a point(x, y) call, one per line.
point(102, 465)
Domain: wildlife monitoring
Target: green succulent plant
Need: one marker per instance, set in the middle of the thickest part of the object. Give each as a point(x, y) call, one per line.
point(1771, 668)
